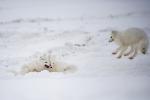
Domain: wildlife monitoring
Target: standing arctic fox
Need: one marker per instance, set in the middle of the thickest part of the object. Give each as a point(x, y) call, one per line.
point(133, 38)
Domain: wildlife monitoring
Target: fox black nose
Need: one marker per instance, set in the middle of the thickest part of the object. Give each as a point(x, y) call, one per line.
point(144, 52)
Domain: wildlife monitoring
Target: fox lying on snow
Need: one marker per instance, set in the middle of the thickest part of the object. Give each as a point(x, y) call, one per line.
point(45, 62)
point(134, 38)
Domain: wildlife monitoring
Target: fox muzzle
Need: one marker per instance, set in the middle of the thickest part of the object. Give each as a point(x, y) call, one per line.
point(111, 40)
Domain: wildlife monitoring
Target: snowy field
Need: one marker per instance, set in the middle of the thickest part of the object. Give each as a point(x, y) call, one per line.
point(77, 32)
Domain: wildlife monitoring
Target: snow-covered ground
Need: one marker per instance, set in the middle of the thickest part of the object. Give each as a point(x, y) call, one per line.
point(77, 32)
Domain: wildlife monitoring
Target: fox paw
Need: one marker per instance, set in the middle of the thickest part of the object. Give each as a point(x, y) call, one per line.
point(114, 53)
point(131, 58)
point(126, 54)
point(119, 57)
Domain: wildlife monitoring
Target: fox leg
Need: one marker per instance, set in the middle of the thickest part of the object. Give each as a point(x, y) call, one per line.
point(123, 49)
point(117, 50)
point(129, 52)
point(134, 54)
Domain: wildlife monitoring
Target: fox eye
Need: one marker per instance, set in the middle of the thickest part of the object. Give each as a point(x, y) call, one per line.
point(144, 49)
point(41, 58)
point(111, 37)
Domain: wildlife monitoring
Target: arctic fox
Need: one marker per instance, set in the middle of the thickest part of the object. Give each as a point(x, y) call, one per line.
point(133, 38)
point(45, 62)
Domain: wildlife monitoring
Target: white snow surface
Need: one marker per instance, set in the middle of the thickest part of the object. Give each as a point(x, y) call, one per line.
point(77, 32)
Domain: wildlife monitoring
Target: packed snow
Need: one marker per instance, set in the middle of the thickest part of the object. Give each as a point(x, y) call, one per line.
point(76, 32)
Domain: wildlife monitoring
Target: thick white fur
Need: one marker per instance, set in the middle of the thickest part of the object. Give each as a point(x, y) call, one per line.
point(38, 65)
point(58, 66)
point(133, 38)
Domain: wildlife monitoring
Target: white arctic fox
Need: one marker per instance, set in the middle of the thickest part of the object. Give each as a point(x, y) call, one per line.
point(133, 38)
point(45, 62)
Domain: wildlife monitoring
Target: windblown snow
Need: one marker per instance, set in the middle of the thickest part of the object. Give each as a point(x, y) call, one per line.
point(77, 33)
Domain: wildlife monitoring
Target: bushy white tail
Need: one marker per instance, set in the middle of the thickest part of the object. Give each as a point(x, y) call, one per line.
point(13, 72)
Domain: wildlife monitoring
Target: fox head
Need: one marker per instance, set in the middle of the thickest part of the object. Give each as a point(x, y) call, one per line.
point(144, 46)
point(113, 35)
point(47, 62)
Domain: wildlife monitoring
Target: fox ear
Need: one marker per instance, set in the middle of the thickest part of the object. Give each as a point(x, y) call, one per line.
point(114, 32)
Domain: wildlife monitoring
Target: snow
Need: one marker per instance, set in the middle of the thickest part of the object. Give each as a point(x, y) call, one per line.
point(77, 32)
